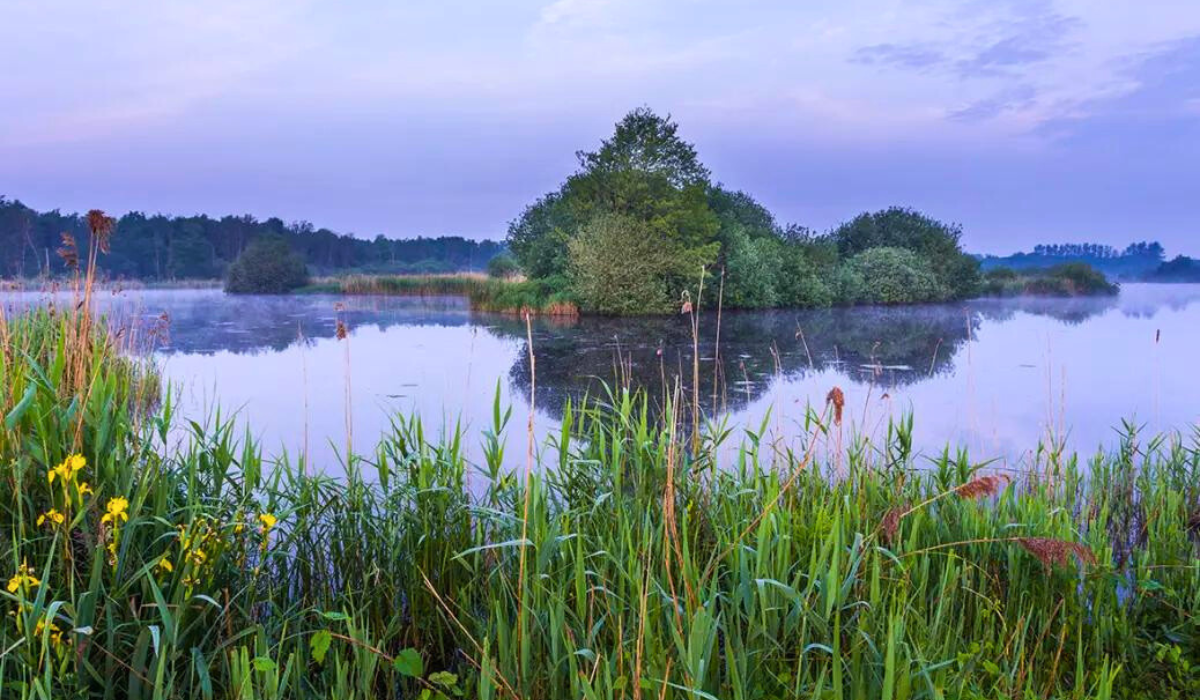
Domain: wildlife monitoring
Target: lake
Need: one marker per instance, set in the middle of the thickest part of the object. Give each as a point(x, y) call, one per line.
point(994, 376)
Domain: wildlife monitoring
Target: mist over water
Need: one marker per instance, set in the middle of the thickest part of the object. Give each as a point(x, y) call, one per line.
point(994, 376)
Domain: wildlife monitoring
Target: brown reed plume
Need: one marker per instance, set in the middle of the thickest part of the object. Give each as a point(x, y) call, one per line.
point(890, 524)
point(102, 228)
point(837, 399)
point(69, 251)
point(982, 486)
point(1052, 552)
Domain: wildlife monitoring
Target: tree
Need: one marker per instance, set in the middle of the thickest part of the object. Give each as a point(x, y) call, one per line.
point(647, 143)
point(937, 243)
point(268, 265)
point(643, 174)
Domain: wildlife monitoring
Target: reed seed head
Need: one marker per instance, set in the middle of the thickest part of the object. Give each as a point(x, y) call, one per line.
point(102, 227)
point(837, 399)
point(982, 486)
point(69, 251)
point(1052, 552)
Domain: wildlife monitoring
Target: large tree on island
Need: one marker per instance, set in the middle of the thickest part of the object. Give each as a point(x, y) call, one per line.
point(643, 176)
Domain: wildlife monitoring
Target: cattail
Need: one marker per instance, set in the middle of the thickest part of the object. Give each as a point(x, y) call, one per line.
point(101, 227)
point(982, 486)
point(837, 399)
point(69, 251)
point(1052, 552)
point(341, 330)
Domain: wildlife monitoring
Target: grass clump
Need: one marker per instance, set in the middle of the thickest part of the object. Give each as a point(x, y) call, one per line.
point(515, 296)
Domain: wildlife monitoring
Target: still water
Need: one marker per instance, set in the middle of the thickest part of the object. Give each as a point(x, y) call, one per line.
point(994, 376)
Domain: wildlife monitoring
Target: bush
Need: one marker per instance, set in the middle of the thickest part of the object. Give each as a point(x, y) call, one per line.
point(752, 268)
point(800, 283)
point(267, 266)
point(1081, 279)
point(503, 266)
point(897, 276)
point(621, 266)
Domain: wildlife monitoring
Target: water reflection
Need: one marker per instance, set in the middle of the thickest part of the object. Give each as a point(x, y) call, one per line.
point(992, 374)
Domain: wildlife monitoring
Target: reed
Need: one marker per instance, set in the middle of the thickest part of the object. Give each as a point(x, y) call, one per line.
point(173, 560)
point(484, 293)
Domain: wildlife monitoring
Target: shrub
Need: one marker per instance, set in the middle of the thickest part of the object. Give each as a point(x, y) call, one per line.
point(503, 266)
point(621, 266)
point(752, 268)
point(897, 276)
point(1080, 279)
point(267, 266)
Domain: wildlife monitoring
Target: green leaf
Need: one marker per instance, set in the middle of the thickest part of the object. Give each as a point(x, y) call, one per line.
point(264, 664)
point(444, 679)
point(14, 416)
point(408, 663)
point(319, 645)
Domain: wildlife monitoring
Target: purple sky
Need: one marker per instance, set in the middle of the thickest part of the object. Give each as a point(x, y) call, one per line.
point(1024, 120)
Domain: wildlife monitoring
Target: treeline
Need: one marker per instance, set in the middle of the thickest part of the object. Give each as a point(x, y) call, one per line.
point(1132, 262)
point(1180, 269)
point(632, 229)
point(162, 247)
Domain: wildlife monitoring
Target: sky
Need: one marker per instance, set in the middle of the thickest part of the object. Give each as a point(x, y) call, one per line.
point(1025, 121)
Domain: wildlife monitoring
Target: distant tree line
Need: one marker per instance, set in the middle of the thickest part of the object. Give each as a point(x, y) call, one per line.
point(1180, 269)
point(1132, 262)
point(632, 230)
point(159, 247)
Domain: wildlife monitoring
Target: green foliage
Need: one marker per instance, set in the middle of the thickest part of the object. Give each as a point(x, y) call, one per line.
point(194, 247)
point(936, 243)
point(753, 269)
point(647, 175)
point(896, 276)
point(650, 178)
point(1067, 280)
point(1179, 269)
point(267, 266)
point(503, 266)
point(622, 266)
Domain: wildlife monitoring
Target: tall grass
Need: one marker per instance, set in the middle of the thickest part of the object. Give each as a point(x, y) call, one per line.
point(625, 564)
point(484, 293)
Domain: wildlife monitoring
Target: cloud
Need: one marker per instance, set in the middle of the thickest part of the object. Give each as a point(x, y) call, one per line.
point(912, 56)
point(1019, 43)
point(1007, 100)
point(1156, 111)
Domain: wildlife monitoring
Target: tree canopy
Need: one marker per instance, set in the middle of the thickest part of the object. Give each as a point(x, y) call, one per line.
point(632, 229)
point(161, 247)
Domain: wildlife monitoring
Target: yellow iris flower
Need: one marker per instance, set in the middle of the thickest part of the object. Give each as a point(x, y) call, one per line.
point(24, 577)
point(53, 516)
point(117, 509)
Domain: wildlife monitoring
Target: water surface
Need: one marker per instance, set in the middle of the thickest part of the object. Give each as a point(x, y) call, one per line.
point(995, 376)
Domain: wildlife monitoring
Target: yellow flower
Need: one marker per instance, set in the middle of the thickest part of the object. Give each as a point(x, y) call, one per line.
point(116, 508)
point(198, 557)
point(165, 566)
point(268, 521)
point(68, 469)
point(24, 577)
point(55, 632)
point(53, 516)
point(84, 489)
